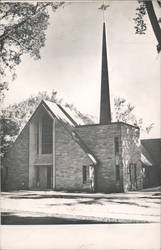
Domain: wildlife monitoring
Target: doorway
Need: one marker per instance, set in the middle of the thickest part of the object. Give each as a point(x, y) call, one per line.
point(133, 176)
point(43, 177)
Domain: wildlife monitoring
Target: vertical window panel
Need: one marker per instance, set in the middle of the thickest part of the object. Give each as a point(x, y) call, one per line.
point(47, 135)
point(86, 175)
point(116, 142)
point(37, 137)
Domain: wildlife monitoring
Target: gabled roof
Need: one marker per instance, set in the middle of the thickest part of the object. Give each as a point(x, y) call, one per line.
point(152, 149)
point(145, 157)
point(69, 124)
point(59, 112)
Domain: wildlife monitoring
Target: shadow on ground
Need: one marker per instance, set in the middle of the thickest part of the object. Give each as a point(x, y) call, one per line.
point(8, 218)
point(90, 199)
point(136, 199)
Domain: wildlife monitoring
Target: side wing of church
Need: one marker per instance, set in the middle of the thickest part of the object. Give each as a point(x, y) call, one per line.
point(55, 152)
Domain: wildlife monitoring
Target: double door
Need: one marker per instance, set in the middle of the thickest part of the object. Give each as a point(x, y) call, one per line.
point(43, 177)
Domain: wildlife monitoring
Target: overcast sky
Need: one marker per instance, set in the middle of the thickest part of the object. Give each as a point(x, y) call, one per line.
point(71, 61)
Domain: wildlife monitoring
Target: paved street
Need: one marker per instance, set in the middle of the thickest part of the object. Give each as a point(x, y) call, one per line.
point(50, 207)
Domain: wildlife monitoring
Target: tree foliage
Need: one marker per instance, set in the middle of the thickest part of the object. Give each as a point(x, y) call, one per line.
point(140, 25)
point(23, 28)
point(146, 7)
point(124, 112)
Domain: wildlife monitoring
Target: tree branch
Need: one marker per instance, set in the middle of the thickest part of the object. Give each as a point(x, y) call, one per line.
point(154, 22)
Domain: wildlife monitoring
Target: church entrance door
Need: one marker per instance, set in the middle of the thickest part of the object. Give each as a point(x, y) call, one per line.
point(133, 176)
point(43, 177)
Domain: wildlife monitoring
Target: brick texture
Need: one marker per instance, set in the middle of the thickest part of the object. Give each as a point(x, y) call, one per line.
point(100, 140)
point(69, 160)
point(17, 162)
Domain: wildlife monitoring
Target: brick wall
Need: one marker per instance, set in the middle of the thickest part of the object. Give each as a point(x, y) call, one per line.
point(100, 140)
point(69, 160)
point(17, 162)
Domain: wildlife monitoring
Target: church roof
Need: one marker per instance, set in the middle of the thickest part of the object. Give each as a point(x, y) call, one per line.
point(65, 114)
point(152, 147)
point(60, 113)
point(56, 110)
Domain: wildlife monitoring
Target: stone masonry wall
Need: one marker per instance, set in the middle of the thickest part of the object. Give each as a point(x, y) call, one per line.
point(69, 160)
point(131, 154)
point(17, 162)
point(100, 140)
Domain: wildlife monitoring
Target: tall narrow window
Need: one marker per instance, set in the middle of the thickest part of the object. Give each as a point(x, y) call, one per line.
point(47, 135)
point(85, 174)
point(116, 141)
point(37, 137)
point(117, 173)
point(135, 173)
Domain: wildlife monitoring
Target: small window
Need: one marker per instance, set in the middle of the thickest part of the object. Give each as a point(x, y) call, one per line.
point(85, 174)
point(117, 172)
point(116, 145)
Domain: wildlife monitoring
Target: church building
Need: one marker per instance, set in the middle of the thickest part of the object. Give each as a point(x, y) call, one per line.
point(54, 151)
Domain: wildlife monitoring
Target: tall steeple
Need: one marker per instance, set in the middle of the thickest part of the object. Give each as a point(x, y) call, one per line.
point(105, 108)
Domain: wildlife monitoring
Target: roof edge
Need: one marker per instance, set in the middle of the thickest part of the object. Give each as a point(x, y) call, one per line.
point(119, 123)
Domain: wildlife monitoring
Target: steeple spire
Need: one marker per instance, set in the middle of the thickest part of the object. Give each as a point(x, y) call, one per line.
point(105, 108)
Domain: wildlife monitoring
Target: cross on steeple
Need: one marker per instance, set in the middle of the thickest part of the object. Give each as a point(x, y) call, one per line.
point(103, 7)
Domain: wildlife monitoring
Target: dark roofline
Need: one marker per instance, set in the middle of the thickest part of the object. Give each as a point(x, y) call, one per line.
point(98, 124)
point(66, 113)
